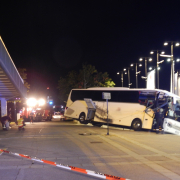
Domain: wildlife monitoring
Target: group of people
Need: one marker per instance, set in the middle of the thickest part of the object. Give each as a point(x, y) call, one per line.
point(6, 120)
point(165, 112)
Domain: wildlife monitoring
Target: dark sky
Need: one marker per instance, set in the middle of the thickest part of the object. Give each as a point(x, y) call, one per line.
point(50, 38)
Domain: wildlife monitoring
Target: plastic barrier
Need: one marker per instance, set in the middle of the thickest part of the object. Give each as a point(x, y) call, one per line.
point(80, 170)
point(171, 126)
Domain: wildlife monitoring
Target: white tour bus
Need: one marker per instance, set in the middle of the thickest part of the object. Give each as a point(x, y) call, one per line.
point(127, 107)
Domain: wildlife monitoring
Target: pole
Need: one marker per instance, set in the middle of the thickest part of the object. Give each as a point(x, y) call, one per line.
point(157, 70)
point(177, 83)
point(128, 78)
point(172, 69)
point(122, 78)
point(136, 77)
point(107, 118)
point(145, 68)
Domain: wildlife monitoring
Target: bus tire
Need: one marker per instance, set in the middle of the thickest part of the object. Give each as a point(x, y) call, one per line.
point(136, 124)
point(82, 118)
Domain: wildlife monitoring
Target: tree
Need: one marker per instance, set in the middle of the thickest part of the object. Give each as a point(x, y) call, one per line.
point(103, 80)
point(66, 84)
point(87, 77)
point(24, 77)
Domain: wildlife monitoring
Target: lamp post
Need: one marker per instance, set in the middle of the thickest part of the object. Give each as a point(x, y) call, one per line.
point(162, 52)
point(174, 82)
point(172, 63)
point(129, 84)
point(136, 72)
point(121, 77)
point(145, 59)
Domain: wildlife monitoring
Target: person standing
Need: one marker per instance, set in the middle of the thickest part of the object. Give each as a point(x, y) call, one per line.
point(31, 117)
point(159, 119)
point(21, 123)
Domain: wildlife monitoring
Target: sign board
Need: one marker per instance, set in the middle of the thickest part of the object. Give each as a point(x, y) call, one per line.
point(106, 95)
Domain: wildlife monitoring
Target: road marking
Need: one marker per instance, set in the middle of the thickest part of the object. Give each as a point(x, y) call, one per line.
point(40, 131)
point(143, 160)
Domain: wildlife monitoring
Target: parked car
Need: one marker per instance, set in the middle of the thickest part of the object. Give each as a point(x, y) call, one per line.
point(58, 116)
point(38, 117)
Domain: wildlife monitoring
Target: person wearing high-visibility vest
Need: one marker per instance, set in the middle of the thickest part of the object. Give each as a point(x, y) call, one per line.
point(21, 123)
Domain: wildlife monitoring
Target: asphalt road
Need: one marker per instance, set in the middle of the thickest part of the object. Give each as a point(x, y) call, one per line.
point(124, 153)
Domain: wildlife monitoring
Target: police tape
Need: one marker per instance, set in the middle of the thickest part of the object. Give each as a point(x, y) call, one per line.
point(80, 170)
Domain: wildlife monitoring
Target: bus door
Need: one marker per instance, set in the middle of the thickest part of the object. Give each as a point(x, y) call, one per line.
point(148, 115)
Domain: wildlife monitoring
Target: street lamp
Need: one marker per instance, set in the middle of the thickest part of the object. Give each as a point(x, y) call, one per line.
point(172, 63)
point(154, 67)
point(162, 52)
point(145, 58)
point(129, 84)
point(136, 72)
point(121, 76)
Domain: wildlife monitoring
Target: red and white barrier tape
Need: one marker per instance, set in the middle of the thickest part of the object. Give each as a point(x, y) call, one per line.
point(80, 170)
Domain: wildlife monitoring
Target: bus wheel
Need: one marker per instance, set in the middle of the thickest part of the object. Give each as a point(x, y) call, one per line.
point(136, 124)
point(82, 117)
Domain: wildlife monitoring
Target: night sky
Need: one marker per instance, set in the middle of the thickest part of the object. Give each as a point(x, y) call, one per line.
point(50, 38)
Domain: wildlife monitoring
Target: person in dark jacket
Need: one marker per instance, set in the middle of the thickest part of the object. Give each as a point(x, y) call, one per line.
point(4, 120)
point(159, 119)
